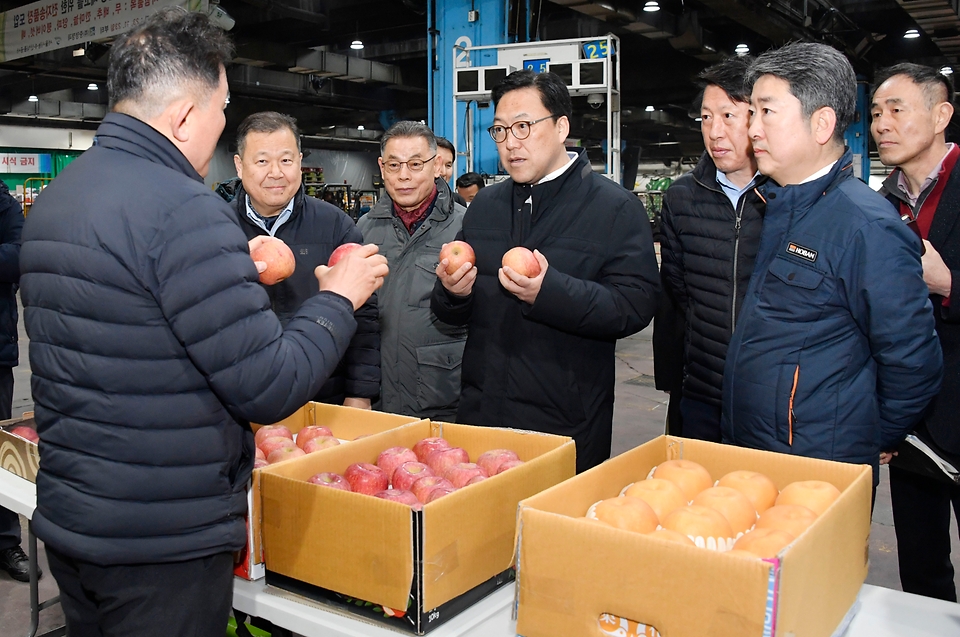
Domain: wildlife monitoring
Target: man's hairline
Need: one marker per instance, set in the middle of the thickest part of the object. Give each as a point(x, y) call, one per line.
point(242, 142)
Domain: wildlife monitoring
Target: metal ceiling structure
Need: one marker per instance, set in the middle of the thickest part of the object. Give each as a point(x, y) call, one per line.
point(295, 56)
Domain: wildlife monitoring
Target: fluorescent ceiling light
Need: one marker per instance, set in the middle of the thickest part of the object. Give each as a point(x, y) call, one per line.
point(33, 98)
point(92, 87)
point(356, 45)
point(911, 34)
point(651, 7)
point(946, 70)
point(649, 109)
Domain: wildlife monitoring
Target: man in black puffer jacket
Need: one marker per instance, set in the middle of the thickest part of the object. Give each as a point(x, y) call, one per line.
point(711, 227)
point(153, 345)
point(271, 202)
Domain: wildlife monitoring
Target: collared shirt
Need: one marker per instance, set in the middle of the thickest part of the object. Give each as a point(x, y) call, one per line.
point(733, 191)
point(270, 225)
point(820, 173)
point(904, 187)
point(559, 171)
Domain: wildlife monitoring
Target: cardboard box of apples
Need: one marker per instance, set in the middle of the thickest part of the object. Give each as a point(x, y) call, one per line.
point(19, 453)
point(420, 555)
point(293, 437)
point(692, 538)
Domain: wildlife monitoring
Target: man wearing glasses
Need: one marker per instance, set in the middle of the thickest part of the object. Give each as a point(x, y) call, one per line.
point(540, 354)
point(419, 355)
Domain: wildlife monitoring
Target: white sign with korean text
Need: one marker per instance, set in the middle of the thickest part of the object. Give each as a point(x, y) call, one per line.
point(25, 163)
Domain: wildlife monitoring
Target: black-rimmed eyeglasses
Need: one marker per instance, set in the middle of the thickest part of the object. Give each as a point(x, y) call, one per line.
point(520, 130)
point(415, 165)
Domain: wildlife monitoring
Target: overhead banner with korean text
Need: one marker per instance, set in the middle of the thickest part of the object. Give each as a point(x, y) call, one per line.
point(48, 25)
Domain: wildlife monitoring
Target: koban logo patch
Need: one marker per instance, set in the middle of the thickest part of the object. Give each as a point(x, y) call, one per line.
point(800, 251)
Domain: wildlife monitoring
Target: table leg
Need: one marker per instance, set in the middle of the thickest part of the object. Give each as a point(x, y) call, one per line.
point(35, 604)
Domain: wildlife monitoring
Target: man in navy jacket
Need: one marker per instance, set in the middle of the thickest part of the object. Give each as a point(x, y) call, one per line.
point(835, 355)
point(153, 345)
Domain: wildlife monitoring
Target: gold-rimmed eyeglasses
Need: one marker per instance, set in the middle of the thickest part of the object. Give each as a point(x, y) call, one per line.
point(415, 165)
point(520, 130)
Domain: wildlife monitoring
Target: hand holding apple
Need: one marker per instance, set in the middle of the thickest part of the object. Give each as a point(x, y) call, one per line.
point(356, 276)
point(525, 287)
point(277, 256)
point(457, 280)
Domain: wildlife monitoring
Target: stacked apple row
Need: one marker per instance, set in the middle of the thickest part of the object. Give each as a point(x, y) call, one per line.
point(418, 476)
point(742, 513)
point(276, 443)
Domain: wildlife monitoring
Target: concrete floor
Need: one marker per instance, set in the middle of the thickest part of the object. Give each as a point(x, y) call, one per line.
point(639, 416)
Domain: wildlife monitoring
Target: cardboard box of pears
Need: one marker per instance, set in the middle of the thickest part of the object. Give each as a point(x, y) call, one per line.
point(647, 542)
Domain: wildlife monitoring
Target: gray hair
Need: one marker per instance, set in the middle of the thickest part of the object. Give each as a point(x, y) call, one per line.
point(819, 76)
point(408, 128)
point(266, 122)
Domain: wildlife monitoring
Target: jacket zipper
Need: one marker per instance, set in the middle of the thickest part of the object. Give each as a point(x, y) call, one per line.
point(791, 417)
point(736, 258)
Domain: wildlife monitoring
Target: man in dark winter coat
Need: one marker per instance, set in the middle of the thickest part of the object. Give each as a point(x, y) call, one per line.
point(835, 354)
point(711, 227)
point(911, 109)
point(271, 202)
point(540, 353)
point(12, 558)
point(152, 345)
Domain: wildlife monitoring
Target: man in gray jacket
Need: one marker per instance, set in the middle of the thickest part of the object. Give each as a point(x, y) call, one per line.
point(419, 354)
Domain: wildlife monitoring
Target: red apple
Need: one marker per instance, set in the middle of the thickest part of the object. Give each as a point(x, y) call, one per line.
point(442, 459)
point(491, 460)
point(438, 492)
point(341, 252)
point(521, 261)
point(310, 432)
point(422, 487)
point(476, 479)
point(390, 459)
point(271, 430)
point(460, 474)
point(259, 463)
point(27, 433)
point(260, 455)
point(399, 495)
point(284, 453)
point(323, 442)
point(408, 473)
point(457, 253)
point(278, 257)
point(332, 480)
point(366, 478)
point(270, 445)
point(427, 446)
point(510, 464)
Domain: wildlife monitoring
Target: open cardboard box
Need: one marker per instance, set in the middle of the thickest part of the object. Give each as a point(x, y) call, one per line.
point(18, 455)
point(571, 571)
point(345, 423)
point(386, 553)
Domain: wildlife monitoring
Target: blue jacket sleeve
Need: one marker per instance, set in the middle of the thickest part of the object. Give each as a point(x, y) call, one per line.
point(207, 287)
point(890, 303)
point(362, 360)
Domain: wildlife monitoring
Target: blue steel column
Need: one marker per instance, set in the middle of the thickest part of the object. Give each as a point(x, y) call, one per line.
point(857, 135)
point(451, 23)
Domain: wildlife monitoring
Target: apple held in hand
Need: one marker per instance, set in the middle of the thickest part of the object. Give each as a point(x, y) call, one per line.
point(408, 473)
point(393, 457)
point(427, 446)
point(491, 460)
point(422, 487)
point(341, 252)
point(323, 442)
point(461, 474)
point(284, 453)
point(399, 495)
point(269, 431)
point(457, 253)
point(310, 432)
point(332, 480)
point(366, 478)
point(278, 257)
point(27, 433)
point(442, 459)
point(270, 445)
point(521, 261)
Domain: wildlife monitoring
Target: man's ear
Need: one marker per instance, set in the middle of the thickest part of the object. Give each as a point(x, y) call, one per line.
point(179, 114)
point(563, 126)
point(238, 164)
point(943, 112)
point(823, 122)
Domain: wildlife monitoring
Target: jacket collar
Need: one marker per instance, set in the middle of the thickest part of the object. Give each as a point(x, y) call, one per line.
point(240, 201)
point(442, 208)
point(128, 134)
point(805, 195)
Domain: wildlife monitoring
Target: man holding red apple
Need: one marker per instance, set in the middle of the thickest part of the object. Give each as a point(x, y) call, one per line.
point(540, 351)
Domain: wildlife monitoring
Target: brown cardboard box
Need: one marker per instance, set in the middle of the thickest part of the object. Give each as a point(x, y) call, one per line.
point(381, 551)
point(572, 570)
point(345, 423)
point(18, 455)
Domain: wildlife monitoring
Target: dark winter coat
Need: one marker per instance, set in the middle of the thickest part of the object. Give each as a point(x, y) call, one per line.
point(550, 366)
point(941, 419)
point(11, 225)
point(835, 354)
point(420, 354)
point(313, 231)
point(707, 256)
point(152, 345)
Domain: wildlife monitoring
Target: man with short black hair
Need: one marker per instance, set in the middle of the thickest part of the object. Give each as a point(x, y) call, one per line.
point(468, 185)
point(446, 154)
point(834, 355)
point(711, 227)
point(911, 109)
point(153, 346)
point(271, 202)
point(540, 354)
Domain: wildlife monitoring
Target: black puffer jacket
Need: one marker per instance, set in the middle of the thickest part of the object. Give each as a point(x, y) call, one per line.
point(314, 230)
point(11, 225)
point(152, 345)
point(708, 251)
